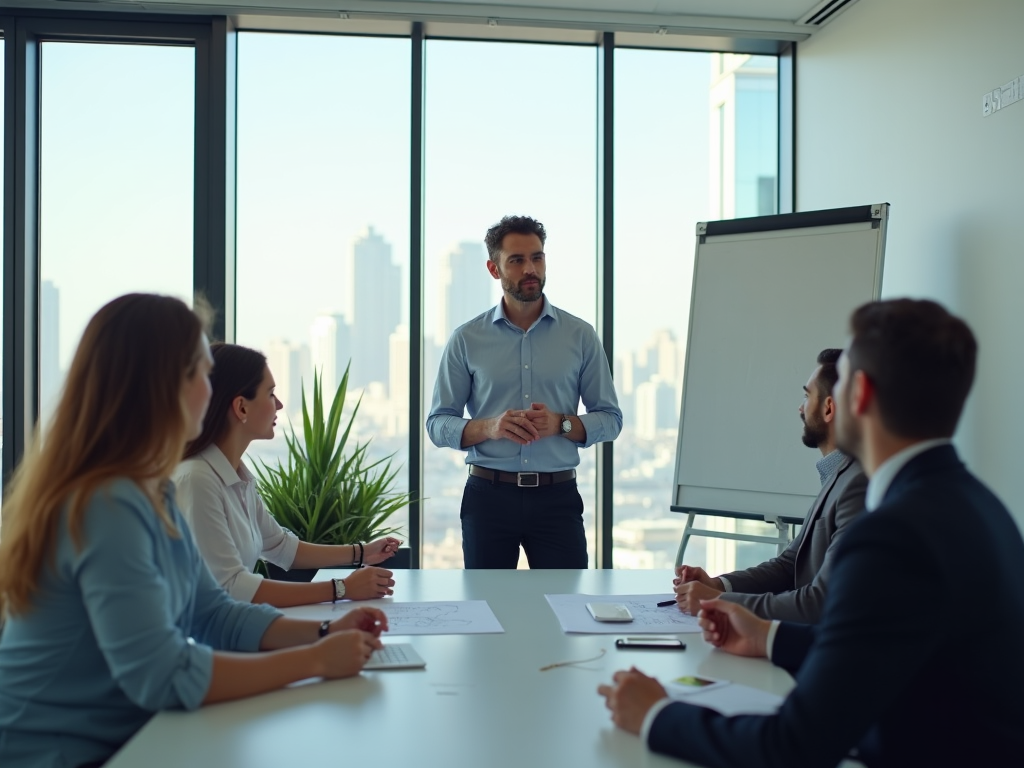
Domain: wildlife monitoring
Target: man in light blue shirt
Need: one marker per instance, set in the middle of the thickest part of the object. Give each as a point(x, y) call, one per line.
point(521, 370)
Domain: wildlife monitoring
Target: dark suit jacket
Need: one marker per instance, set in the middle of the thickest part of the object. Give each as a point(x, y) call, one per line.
point(919, 657)
point(792, 586)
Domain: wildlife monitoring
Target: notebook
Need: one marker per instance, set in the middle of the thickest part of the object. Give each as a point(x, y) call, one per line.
point(395, 656)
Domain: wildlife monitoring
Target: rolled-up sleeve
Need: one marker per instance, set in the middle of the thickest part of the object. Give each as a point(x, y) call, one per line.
point(202, 502)
point(128, 601)
point(225, 623)
point(279, 545)
point(446, 421)
point(603, 419)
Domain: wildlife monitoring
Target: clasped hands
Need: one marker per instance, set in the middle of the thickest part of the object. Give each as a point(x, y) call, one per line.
point(692, 585)
point(725, 625)
point(524, 426)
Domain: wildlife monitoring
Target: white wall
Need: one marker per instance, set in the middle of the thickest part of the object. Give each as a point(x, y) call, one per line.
point(889, 102)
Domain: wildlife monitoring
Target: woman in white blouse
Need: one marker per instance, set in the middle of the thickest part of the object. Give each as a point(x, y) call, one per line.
point(217, 494)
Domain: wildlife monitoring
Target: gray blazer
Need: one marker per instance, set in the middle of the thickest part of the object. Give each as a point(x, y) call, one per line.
point(792, 586)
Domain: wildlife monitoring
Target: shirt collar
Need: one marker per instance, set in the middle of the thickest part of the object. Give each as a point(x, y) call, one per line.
point(498, 313)
point(219, 463)
point(879, 483)
point(829, 464)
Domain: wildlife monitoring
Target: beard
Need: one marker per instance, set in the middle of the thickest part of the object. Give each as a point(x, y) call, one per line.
point(519, 293)
point(815, 435)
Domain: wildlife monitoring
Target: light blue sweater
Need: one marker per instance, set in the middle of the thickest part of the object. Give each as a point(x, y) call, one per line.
point(118, 630)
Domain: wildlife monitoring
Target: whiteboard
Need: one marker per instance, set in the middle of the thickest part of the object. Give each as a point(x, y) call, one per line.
point(769, 293)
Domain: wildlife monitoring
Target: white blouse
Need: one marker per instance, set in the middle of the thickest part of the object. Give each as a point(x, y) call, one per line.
point(231, 526)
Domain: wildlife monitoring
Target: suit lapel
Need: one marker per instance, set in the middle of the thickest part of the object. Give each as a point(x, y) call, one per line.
point(819, 504)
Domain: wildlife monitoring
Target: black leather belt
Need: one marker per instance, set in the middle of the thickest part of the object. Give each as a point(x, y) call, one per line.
point(523, 479)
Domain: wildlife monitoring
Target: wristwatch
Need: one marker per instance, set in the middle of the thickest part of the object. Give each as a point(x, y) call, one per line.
point(339, 590)
point(566, 425)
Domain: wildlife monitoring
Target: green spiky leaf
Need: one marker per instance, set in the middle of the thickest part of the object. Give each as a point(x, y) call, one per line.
point(326, 491)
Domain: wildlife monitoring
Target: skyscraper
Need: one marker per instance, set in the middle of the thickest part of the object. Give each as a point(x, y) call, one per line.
point(662, 356)
point(288, 364)
point(398, 385)
point(466, 288)
point(744, 135)
point(378, 308)
point(330, 348)
point(655, 408)
point(50, 377)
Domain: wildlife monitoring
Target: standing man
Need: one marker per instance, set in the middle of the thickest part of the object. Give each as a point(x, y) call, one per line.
point(521, 370)
point(793, 585)
point(917, 658)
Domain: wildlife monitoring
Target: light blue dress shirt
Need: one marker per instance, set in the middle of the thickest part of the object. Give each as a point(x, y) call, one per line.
point(109, 638)
point(490, 366)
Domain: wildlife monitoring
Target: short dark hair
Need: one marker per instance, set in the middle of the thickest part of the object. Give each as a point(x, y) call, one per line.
point(512, 225)
point(829, 374)
point(236, 371)
point(920, 360)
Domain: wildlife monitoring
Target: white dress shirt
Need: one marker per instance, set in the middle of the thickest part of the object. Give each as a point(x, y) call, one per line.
point(231, 526)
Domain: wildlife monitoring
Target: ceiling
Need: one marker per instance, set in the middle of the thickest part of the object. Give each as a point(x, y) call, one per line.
point(678, 23)
point(778, 10)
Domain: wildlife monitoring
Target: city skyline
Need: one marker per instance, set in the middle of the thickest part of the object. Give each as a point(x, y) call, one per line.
point(323, 217)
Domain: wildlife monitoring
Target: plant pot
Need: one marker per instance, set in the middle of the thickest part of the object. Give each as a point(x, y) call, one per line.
point(295, 574)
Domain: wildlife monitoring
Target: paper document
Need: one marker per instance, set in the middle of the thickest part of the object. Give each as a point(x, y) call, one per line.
point(723, 696)
point(648, 618)
point(458, 617)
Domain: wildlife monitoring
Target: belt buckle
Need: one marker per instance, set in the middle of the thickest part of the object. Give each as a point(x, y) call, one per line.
point(523, 476)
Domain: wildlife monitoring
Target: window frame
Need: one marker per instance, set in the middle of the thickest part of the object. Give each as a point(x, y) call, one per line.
point(214, 39)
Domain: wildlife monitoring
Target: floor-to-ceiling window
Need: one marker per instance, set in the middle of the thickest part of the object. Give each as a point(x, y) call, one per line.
point(3, 221)
point(695, 140)
point(510, 129)
point(323, 227)
point(116, 152)
point(323, 250)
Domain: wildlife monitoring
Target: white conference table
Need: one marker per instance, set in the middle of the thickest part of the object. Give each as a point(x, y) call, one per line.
point(480, 703)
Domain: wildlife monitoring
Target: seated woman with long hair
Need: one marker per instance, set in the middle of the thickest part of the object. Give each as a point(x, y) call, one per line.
point(111, 613)
point(217, 494)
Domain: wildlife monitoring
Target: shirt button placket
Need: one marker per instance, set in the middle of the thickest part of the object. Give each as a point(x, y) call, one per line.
point(527, 381)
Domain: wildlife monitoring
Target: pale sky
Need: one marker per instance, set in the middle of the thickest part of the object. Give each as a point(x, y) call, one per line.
point(323, 152)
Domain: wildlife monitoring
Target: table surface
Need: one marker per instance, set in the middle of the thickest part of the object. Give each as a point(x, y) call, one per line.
point(481, 701)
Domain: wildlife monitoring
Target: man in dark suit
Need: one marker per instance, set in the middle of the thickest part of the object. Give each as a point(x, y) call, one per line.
point(917, 659)
point(793, 585)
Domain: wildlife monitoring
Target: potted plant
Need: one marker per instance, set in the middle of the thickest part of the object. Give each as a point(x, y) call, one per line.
point(328, 492)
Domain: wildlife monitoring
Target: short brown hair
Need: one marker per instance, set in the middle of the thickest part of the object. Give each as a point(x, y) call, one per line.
point(920, 360)
point(512, 225)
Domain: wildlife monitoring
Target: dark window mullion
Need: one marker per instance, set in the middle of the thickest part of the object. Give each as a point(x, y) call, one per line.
point(416, 394)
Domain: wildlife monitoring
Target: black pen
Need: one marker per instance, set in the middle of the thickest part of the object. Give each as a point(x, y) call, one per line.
point(665, 603)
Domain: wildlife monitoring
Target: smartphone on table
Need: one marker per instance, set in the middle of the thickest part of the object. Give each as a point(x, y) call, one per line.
point(653, 643)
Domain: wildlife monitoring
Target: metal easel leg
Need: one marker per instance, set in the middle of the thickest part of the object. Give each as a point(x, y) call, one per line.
point(686, 538)
point(783, 530)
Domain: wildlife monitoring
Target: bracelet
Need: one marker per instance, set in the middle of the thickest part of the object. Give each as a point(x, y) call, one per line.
point(360, 563)
point(325, 627)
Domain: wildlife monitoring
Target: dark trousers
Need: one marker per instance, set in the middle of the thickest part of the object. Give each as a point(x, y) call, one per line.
point(547, 521)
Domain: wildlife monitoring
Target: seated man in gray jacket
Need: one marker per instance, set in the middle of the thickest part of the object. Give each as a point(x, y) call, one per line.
point(792, 586)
